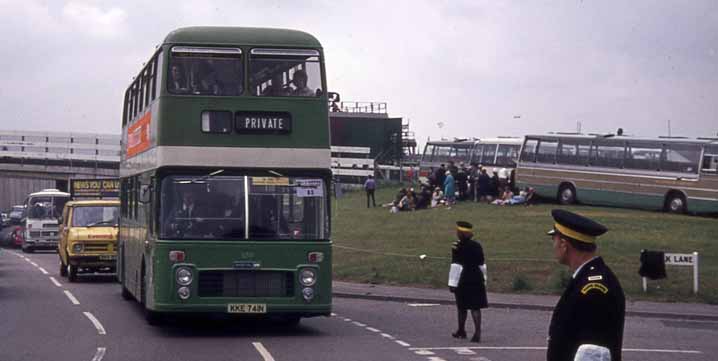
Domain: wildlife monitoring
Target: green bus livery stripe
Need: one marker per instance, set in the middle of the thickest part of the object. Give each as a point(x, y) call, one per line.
point(226, 157)
point(560, 179)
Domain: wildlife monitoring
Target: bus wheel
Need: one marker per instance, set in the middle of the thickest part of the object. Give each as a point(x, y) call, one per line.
point(290, 321)
point(675, 203)
point(126, 295)
point(567, 194)
point(71, 273)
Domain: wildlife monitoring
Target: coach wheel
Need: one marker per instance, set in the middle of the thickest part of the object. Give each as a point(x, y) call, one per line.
point(676, 204)
point(567, 195)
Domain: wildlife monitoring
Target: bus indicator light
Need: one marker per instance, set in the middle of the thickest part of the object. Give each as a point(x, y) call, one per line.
point(315, 257)
point(177, 256)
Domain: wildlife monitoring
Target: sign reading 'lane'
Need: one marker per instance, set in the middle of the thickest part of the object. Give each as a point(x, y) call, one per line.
point(263, 122)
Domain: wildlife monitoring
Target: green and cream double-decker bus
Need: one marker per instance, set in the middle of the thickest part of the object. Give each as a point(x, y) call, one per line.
point(672, 174)
point(225, 176)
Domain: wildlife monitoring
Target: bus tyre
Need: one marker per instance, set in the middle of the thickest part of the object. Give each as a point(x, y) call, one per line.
point(567, 194)
point(71, 273)
point(676, 203)
point(126, 295)
point(290, 321)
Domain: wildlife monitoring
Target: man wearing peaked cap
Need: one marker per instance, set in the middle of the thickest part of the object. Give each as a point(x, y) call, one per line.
point(592, 308)
point(467, 256)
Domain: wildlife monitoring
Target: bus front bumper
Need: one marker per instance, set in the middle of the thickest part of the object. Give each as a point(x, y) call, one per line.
point(272, 309)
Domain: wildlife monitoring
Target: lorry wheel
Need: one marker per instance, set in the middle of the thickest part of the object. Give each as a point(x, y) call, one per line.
point(71, 273)
point(63, 269)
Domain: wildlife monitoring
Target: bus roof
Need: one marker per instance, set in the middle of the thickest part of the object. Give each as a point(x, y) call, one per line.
point(228, 35)
point(49, 192)
point(621, 137)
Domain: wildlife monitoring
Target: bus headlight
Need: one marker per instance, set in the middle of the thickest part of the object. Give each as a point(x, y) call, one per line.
point(308, 293)
point(184, 276)
point(77, 247)
point(307, 277)
point(183, 293)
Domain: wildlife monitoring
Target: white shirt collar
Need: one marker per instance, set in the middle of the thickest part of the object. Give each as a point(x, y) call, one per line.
point(581, 266)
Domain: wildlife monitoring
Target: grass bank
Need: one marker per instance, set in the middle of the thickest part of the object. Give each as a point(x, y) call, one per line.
point(372, 245)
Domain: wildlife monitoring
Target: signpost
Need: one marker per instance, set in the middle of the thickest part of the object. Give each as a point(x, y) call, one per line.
point(681, 259)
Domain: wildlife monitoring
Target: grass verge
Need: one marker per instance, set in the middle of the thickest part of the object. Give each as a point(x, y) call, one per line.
point(373, 245)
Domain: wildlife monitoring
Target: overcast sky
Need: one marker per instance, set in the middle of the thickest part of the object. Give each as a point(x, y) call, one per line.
point(452, 68)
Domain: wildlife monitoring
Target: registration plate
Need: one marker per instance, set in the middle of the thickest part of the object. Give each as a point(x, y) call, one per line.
point(108, 257)
point(247, 308)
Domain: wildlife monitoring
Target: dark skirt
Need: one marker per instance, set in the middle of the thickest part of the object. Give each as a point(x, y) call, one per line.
point(471, 298)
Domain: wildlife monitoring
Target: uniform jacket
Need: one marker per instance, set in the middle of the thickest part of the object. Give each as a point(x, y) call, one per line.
point(590, 311)
point(470, 255)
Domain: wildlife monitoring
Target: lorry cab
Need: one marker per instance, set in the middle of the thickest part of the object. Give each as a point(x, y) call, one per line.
point(88, 237)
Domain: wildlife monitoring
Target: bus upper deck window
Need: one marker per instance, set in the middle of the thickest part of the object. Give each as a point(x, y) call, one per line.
point(205, 71)
point(286, 72)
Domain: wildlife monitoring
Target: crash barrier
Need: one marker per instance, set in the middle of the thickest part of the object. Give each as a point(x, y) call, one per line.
point(653, 265)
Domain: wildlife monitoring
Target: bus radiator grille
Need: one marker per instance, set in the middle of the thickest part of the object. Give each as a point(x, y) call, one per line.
point(242, 283)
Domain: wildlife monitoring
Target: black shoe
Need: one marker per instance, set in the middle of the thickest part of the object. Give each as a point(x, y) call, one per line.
point(459, 334)
point(476, 339)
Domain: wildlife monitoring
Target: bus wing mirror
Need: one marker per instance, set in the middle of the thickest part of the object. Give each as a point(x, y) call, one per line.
point(145, 193)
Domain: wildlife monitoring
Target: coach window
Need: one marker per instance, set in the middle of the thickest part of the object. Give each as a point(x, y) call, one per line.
point(573, 151)
point(607, 153)
point(643, 156)
point(528, 153)
point(489, 154)
point(507, 155)
point(547, 151)
point(683, 158)
point(710, 159)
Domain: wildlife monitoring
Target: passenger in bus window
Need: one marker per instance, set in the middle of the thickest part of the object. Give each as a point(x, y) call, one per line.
point(178, 81)
point(300, 82)
point(277, 88)
point(209, 82)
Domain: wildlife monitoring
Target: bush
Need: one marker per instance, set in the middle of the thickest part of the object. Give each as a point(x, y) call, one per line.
point(559, 280)
point(520, 283)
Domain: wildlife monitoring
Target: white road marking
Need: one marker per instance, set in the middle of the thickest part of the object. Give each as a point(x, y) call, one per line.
point(99, 354)
point(387, 336)
point(402, 343)
point(436, 359)
point(372, 329)
point(359, 324)
point(71, 297)
point(43, 270)
point(424, 352)
point(465, 351)
point(334, 314)
point(263, 351)
point(96, 322)
point(55, 282)
point(348, 319)
point(660, 351)
point(34, 264)
point(422, 304)
point(541, 348)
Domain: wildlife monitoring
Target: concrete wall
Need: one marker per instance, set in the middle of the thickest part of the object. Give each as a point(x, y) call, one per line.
point(13, 190)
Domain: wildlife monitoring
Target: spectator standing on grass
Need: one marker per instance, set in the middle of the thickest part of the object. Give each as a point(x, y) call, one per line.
point(592, 308)
point(449, 189)
point(470, 292)
point(370, 187)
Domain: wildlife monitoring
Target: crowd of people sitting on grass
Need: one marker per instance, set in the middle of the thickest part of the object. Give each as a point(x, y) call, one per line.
point(450, 184)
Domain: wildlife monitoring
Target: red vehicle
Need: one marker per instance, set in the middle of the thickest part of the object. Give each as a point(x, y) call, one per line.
point(17, 236)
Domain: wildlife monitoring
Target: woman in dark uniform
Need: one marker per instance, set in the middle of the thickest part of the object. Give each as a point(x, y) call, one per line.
point(471, 290)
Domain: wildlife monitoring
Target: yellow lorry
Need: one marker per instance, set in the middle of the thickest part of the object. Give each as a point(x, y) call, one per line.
point(88, 237)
